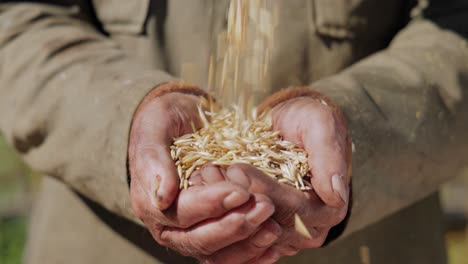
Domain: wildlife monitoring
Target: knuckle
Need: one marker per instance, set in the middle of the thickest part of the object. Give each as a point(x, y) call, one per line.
point(200, 248)
point(164, 237)
point(213, 208)
point(240, 227)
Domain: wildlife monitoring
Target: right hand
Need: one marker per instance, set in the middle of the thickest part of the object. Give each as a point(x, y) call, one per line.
point(201, 220)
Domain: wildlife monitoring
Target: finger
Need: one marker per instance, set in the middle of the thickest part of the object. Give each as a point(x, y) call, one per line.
point(153, 129)
point(288, 200)
point(150, 160)
point(199, 203)
point(196, 179)
point(320, 214)
point(325, 141)
point(213, 235)
point(211, 174)
point(326, 148)
point(252, 247)
point(292, 241)
point(208, 174)
point(286, 250)
point(160, 174)
point(270, 256)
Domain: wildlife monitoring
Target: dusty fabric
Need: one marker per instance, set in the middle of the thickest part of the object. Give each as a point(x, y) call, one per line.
point(72, 74)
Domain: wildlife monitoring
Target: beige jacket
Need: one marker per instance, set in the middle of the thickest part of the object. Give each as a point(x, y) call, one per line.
point(73, 72)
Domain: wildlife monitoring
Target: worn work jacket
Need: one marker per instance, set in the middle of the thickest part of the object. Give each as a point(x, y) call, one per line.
point(73, 72)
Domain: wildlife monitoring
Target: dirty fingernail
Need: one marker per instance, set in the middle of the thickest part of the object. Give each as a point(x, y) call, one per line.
point(339, 188)
point(234, 200)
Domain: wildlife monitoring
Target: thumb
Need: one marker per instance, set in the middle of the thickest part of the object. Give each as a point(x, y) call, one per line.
point(150, 160)
point(322, 132)
point(152, 167)
point(328, 164)
point(161, 173)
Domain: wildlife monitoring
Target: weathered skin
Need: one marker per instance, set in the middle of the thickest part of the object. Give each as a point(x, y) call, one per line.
point(68, 94)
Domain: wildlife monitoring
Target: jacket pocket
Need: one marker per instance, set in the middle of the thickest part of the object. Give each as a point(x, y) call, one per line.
point(332, 18)
point(122, 16)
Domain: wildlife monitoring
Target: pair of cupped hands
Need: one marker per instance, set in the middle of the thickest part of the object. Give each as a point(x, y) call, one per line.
point(238, 214)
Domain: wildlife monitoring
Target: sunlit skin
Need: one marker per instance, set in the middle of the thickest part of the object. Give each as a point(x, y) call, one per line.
point(237, 209)
point(313, 126)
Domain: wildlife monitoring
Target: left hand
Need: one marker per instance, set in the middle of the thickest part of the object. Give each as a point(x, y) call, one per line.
point(321, 130)
point(319, 127)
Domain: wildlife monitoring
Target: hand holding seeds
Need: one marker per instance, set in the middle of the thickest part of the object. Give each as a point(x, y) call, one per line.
point(317, 127)
point(200, 220)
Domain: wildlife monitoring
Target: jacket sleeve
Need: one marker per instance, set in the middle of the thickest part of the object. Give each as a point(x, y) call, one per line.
point(407, 107)
point(67, 97)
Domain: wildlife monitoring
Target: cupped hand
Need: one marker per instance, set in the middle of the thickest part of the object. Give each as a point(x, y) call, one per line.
point(201, 220)
point(317, 216)
point(317, 126)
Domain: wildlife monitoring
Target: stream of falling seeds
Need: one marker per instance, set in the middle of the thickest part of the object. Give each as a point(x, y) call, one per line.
point(239, 72)
point(239, 76)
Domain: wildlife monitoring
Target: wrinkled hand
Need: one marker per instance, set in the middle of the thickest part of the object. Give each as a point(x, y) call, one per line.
point(321, 130)
point(319, 127)
point(201, 220)
point(317, 216)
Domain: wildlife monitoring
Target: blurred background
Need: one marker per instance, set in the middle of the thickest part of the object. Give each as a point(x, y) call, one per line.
point(18, 185)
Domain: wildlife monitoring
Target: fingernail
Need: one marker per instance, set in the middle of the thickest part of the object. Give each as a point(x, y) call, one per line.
point(339, 187)
point(260, 213)
point(264, 238)
point(234, 200)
